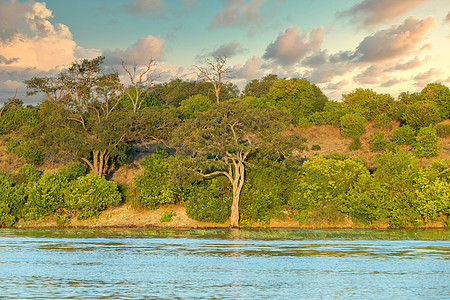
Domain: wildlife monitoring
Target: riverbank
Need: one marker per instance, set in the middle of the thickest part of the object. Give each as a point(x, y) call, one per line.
point(126, 217)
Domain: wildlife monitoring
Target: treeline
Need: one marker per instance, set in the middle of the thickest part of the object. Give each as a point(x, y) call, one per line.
point(233, 156)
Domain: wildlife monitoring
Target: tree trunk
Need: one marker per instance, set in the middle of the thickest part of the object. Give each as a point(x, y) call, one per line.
point(99, 164)
point(238, 182)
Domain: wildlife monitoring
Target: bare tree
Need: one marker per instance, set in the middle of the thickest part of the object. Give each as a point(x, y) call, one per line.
point(215, 73)
point(140, 82)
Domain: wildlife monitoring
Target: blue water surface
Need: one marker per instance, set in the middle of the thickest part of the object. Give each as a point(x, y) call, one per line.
point(219, 264)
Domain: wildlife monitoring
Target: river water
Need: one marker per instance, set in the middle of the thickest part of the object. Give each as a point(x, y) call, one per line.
point(222, 264)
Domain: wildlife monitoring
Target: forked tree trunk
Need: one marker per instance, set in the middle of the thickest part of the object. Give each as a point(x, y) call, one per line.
point(99, 164)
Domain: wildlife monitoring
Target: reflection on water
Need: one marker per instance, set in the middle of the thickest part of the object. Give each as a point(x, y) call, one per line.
point(221, 264)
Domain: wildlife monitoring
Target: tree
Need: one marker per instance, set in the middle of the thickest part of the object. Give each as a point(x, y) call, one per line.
point(298, 96)
point(140, 83)
point(259, 88)
point(221, 139)
point(215, 73)
point(440, 95)
point(370, 104)
point(80, 112)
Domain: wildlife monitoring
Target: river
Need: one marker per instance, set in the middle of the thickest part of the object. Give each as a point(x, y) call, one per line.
point(223, 264)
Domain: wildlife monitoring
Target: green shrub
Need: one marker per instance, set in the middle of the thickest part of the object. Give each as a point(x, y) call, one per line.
point(90, 195)
point(356, 143)
point(352, 124)
point(153, 186)
point(166, 216)
point(8, 201)
point(325, 181)
point(330, 115)
point(383, 121)
point(315, 147)
point(210, 201)
point(46, 195)
point(443, 130)
point(404, 135)
point(427, 143)
point(378, 141)
point(421, 114)
point(26, 150)
point(196, 103)
point(16, 118)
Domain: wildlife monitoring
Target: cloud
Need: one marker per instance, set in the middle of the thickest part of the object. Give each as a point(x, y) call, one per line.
point(250, 70)
point(228, 50)
point(371, 13)
point(337, 85)
point(237, 12)
point(145, 7)
point(394, 42)
point(403, 66)
point(369, 75)
point(391, 82)
point(139, 53)
point(7, 61)
point(447, 18)
point(424, 78)
point(290, 47)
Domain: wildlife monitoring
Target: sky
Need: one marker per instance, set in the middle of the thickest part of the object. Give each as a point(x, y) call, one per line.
point(339, 45)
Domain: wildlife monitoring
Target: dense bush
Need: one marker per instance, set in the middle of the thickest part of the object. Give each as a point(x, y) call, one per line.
point(330, 115)
point(27, 150)
point(356, 143)
point(324, 181)
point(89, 195)
point(404, 135)
point(8, 195)
point(193, 104)
point(378, 141)
point(421, 114)
point(352, 124)
point(16, 118)
point(210, 201)
point(153, 185)
point(427, 143)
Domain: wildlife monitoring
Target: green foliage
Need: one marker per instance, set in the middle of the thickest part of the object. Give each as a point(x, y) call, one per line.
point(210, 201)
point(166, 216)
point(47, 194)
point(25, 174)
point(89, 195)
point(153, 185)
point(17, 117)
point(148, 100)
point(421, 114)
point(443, 130)
point(8, 199)
point(194, 104)
point(404, 135)
point(26, 150)
point(298, 96)
point(265, 192)
point(356, 143)
point(370, 105)
point(378, 141)
point(438, 94)
point(330, 115)
point(324, 181)
point(259, 88)
point(352, 124)
point(427, 143)
point(315, 147)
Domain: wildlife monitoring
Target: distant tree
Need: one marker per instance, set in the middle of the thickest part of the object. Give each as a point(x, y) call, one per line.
point(259, 88)
point(80, 114)
point(298, 96)
point(438, 94)
point(140, 83)
point(222, 138)
point(215, 73)
point(370, 104)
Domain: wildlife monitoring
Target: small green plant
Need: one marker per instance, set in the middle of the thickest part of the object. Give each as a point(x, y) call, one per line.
point(355, 144)
point(315, 147)
point(404, 135)
point(378, 142)
point(61, 218)
point(352, 125)
point(427, 143)
point(166, 216)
